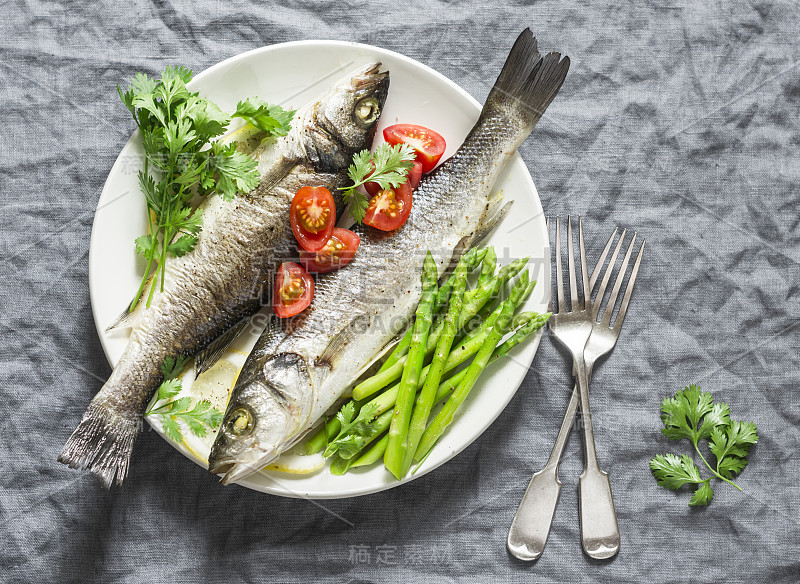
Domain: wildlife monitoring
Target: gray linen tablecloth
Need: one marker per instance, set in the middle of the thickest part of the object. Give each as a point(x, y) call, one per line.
point(678, 119)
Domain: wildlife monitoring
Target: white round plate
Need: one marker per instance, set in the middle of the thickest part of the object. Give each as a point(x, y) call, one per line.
point(292, 74)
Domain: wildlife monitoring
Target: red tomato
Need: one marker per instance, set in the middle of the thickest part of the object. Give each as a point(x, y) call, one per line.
point(293, 291)
point(428, 144)
point(390, 208)
point(313, 215)
point(339, 250)
point(414, 176)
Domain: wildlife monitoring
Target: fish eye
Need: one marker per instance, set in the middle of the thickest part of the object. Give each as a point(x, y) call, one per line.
point(240, 423)
point(367, 111)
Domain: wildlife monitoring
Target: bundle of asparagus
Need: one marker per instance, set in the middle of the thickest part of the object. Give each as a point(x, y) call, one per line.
point(387, 418)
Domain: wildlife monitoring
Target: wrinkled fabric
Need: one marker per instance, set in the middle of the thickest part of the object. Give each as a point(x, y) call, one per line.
point(678, 120)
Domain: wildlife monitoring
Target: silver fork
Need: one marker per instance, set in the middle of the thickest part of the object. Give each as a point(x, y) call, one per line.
point(599, 528)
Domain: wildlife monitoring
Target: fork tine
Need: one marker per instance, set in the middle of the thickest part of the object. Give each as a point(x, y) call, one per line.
point(559, 271)
point(612, 300)
point(573, 287)
point(623, 308)
point(607, 274)
point(599, 266)
point(586, 301)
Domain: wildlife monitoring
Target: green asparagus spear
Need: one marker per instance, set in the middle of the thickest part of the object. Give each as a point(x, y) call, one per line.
point(339, 466)
point(349, 445)
point(395, 451)
point(472, 259)
point(422, 408)
point(488, 266)
point(319, 440)
point(527, 323)
point(381, 423)
point(471, 307)
point(373, 454)
point(445, 415)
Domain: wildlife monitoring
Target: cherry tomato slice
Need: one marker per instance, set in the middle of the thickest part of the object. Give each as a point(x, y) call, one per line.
point(414, 176)
point(428, 144)
point(390, 208)
point(338, 252)
point(313, 216)
point(293, 290)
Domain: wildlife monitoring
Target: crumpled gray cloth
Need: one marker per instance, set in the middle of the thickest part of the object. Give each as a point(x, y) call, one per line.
point(678, 120)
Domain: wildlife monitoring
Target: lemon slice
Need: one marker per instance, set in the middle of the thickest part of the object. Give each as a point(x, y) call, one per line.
point(298, 464)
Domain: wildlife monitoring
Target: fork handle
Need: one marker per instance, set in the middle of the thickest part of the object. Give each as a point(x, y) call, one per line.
point(531, 525)
point(599, 526)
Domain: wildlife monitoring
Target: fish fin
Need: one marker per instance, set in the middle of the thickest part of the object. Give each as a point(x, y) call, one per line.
point(127, 318)
point(489, 222)
point(528, 82)
point(102, 443)
point(330, 355)
point(276, 174)
point(208, 357)
point(379, 355)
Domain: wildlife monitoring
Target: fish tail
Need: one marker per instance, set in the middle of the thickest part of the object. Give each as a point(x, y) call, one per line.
point(528, 82)
point(102, 443)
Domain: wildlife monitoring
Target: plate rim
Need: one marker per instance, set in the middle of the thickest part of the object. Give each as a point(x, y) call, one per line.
point(531, 345)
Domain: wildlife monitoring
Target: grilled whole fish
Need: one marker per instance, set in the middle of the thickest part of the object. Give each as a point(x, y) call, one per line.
point(290, 380)
point(210, 292)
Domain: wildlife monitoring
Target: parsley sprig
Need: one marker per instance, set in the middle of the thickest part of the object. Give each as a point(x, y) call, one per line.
point(391, 166)
point(183, 159)
point(692, 414)
point(355, 429)
point(199, 417)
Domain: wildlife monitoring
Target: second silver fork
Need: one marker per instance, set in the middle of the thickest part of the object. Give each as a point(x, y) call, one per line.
point(599, 527)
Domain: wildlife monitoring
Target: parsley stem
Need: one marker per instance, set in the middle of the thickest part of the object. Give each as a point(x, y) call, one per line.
point(719, 476)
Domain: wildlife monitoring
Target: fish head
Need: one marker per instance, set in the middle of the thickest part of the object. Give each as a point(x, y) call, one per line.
point(343, 121)
point(266, 412)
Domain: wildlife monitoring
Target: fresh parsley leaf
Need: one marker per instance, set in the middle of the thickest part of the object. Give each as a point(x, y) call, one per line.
point(171, 428)
point(692, 414)
point(199, 417)
point(346, 413)
point(388, 166)
point(183, 245)
point(178, 72)
point(209, 121)
point(145, 245)
point(731, 446)
point(703, 495)
point(183, 158)
point(173, 367)
point(355, 430)
point(236, 171)
point(357, 202)
point(270, 118)
point(392, 164)
point(168, 389)
point(673, 471)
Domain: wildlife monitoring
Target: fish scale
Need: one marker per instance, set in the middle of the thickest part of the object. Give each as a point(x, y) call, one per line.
point(359, 309)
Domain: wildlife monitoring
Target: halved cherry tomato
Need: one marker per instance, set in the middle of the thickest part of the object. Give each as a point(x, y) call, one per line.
point(414, 176)
point(339, 250)
point(390, 208)
point(428, 144)
point(293, 291)
point(313, 216)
